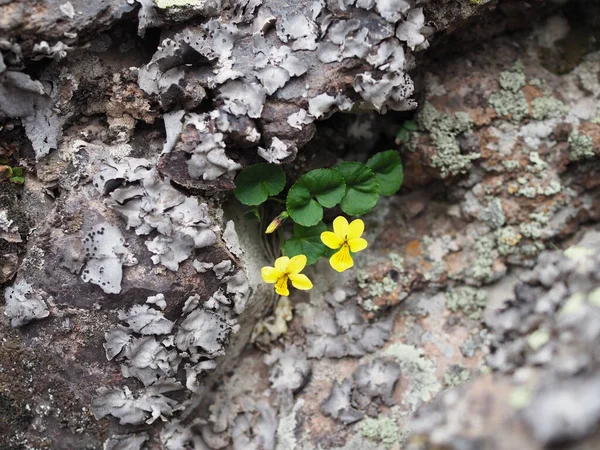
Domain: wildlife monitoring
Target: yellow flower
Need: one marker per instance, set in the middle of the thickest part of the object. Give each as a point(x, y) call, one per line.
point(287, 269)
point(346, 237)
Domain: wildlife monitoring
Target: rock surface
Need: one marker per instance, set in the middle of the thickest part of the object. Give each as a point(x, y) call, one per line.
point(132, 285)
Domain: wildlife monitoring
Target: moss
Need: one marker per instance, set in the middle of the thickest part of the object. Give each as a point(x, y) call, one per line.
point(381, 429)
point(547, 107)
point(467, 299)
point(582, 146)
point(444, 130)
point(456, 375)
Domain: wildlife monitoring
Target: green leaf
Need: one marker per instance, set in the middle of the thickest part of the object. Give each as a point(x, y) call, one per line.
point(18, 180)
point(326, 185)
point(362, 188)
point(17, 171)
point(388, 169)
point(257, 182)
point(252, 213)
point(410, 125)
point(306, 241)
point(402, 136)
point(303, 209)
point(312, 191)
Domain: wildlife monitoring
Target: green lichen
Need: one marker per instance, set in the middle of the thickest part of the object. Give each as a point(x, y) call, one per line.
point(514, 79)
point(594, 297)
point(482, 269)
point(531, 230)
point(582, 146)
point(381, 429)
point(419, 370)
point(538, 339)
point(510, 104)
point(467, 299)
point(573, 304)
point(510, 165)
point(552, 188)
point(397, 261)
point(507, 239)
point(444, 130)
point(520, 397)
point(493, 215)
point(548, 107)
point(510, 101)
point(456, 375)
point(538, 165)
point(386, 286)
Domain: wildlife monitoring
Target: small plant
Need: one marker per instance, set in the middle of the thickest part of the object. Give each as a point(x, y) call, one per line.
point(12, 174)
point(407, 127)
point(352, 186)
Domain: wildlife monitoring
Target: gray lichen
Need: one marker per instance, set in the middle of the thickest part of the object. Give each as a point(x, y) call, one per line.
point(24, 304)
point(444, 131)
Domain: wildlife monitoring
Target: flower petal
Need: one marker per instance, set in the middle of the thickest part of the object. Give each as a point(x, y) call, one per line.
point(342, 260)
point(331, 240)
point(355, 229)
point(340, 227)
point(301, 281)
point(281, 263)
point(358, 244)
point(281, 287)
point(270, 274)
point(296, 264)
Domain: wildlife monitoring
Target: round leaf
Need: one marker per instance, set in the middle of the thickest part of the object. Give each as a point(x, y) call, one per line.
point(303, 209)
point(257, 182)
point(312, 191)
point(326, 185)
point(410, 125)
point(306, 241)
point(388, 169)
point(362, 188)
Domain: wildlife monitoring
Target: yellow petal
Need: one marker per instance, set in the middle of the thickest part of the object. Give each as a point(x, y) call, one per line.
point(340, 227)
point(281, 287)
point(300, 281)
point(331, 240)
point(341, 260)
point(358, 244)
point(355, 229)
point(282, 263)
point(270, 274)
point(296, 264)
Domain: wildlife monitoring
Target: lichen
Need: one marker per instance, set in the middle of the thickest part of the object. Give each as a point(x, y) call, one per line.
point(444, 130)
point(482, 269)
point(548, 107)
point(510, 100)
point(469, 300)
point(581, 146)
point(507, 239)
point(421, 372)
point(382, 429)
point(456, 375)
